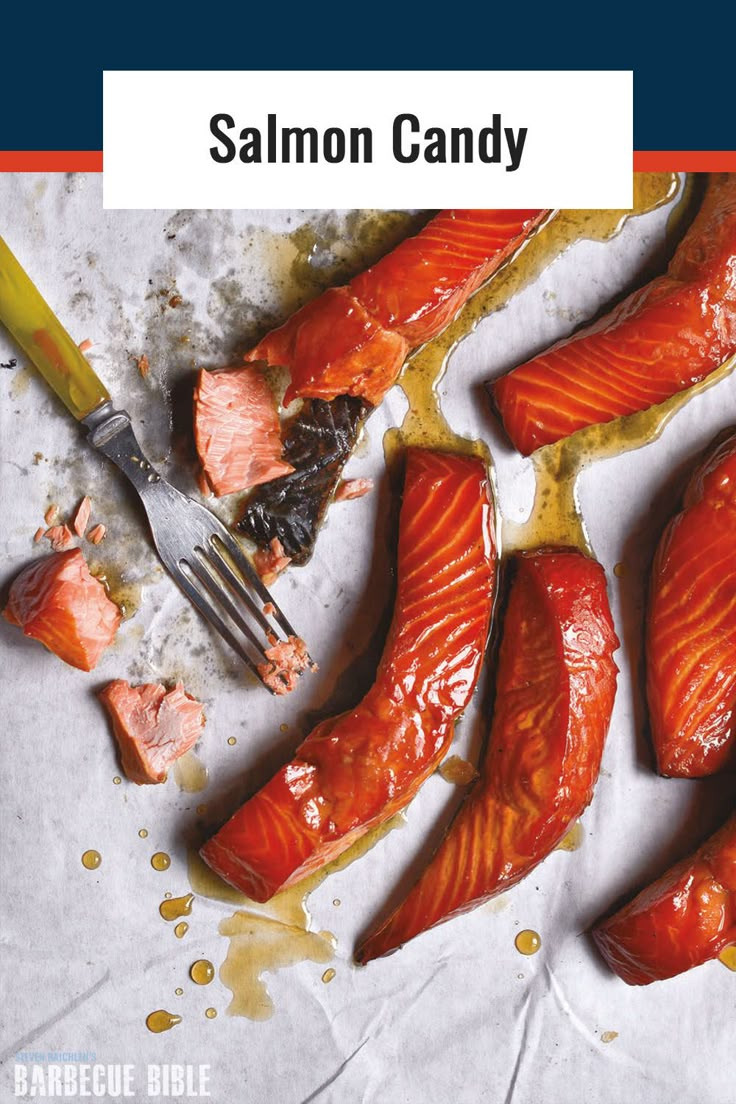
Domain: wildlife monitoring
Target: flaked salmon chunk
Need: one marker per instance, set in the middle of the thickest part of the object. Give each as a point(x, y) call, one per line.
point(57, 601)
point(236, 430)
point(153, 727)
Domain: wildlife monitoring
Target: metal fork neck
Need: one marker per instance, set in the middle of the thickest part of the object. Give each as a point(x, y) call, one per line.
point(111, 433)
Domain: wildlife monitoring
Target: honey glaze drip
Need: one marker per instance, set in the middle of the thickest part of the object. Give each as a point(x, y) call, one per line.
point(728, 957)
point(555, 516)
point(190, 773)
point(202, 972)
point(458, 771)
point(160, 861)
point(528, 942)
point(161, 1020)
point(257, 944)
point(91, 860)
point(181, 929)
point(572, 839)
point(176, 907)
point(424, 424)
point(267, 937)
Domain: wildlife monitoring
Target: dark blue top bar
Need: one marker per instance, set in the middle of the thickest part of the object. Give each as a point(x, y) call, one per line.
point(52, 59)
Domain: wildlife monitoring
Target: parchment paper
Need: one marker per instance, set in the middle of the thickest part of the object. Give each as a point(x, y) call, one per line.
point(458, 1015)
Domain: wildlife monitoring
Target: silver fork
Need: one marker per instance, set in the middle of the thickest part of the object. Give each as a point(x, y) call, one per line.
point(199, 552)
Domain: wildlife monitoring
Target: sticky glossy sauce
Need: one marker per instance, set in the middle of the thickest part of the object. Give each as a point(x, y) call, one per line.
point(161, 1020)
point(528, 942)
point(555, 516)
point(181, 929)
point(160, 861)
point(202, 972)
point(328, 975)
point(728, 957)
point(143, 833)
point(210, 1013)
point(268, 937)
point(424, 424)
point(190, 773)
point(173, 908)
point(91, 860)
point(458, 771)
point(572, 839)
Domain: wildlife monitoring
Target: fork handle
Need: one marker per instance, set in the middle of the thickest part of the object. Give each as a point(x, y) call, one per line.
point(44, 340)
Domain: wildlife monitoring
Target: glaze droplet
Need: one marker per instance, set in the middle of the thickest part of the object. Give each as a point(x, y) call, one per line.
point(91, 860)
point(528, 942)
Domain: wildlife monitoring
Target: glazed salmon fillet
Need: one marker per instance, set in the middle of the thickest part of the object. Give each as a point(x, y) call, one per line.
point(555, 687)
point(153, 727)
point(691, 625)
point(57, 601)
point(356, 770)
point(686, 918)
point(664, 338)
point(353, 340)
point(236, 430)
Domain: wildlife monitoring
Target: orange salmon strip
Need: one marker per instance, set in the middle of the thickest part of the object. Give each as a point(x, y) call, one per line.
point(555, 686)
point(691, 625)
point(664, 338)
point(684, 919)
point(353, 340)
point(356, 770)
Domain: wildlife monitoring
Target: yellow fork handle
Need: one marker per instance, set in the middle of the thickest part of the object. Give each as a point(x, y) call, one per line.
point(44, 340)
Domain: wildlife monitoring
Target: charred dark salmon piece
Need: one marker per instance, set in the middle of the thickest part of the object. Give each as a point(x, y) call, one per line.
point(317, 447)
point(353, 340)
point(664, 338)
point(555, 686)
point(153, 727)
point(356, 770)
point(686, 918)
point(57, 601)
point(691, 625)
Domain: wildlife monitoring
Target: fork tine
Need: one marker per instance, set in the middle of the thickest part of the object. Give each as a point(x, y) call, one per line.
point(206, 572)
point(247, 569)
point(209, 612)
point(223, 568)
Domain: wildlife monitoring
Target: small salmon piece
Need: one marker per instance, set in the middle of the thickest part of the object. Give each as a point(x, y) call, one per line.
point(81, 517)
point(270, 562)
point(286, 661)
point(144, 366)
point(153, 727)
point(52, 514)
point(38, 535)
point(353, 488)
point(56, 601)
point(85, 346)
point(236, 430)
point(269, 609)
point(61, 537)
point(97, 534)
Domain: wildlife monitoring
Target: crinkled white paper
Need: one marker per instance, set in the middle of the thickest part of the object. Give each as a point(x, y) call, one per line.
point(458, 1015)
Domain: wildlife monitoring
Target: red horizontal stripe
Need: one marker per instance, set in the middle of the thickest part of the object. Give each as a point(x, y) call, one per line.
point(91, 161)
point(685, 161)
point(50, 160)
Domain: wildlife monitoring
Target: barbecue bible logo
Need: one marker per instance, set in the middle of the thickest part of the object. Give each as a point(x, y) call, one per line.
point(391, 139)
point(49, 1076)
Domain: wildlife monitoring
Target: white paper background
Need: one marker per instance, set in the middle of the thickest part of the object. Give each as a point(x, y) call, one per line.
point(458, 1015)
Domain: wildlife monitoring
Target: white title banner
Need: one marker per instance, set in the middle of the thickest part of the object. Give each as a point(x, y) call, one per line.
point(367, 139)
